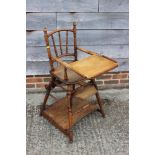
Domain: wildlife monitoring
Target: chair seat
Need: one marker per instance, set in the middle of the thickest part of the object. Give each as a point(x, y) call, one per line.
point(72, 76)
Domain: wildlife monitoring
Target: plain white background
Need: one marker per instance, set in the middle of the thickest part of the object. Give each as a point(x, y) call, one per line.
point(13, 77)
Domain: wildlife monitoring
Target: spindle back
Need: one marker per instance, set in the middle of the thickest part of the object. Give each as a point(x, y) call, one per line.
point(61, 46)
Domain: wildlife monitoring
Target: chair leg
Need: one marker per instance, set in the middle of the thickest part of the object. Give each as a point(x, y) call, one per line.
point(100, 104)
point(50, 86)
point(70, 114)
point(98, 99)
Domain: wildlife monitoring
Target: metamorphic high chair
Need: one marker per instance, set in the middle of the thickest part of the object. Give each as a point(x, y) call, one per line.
point(78, 76)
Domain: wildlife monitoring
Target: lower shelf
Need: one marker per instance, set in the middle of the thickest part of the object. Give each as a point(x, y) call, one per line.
point(58, 111)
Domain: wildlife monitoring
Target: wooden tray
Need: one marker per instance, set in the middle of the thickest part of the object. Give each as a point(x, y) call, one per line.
point(93, 66)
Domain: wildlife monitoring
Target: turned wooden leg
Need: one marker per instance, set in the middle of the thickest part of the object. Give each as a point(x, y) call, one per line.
point(100, 104)
point(70, 114)
point(70, 136)
point(48, 90)
point(98, 99)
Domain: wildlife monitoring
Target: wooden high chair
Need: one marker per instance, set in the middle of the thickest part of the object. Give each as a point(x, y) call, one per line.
point(79, 78)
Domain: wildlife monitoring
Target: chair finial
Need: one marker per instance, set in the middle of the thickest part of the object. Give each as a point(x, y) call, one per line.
point(74, 23)
point(45, 29)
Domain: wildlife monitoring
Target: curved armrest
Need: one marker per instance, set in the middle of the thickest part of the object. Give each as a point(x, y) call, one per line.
point(65, 65)
point(87, 51)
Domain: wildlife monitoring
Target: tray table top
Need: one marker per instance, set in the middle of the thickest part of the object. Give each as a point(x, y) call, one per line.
point(93, 66)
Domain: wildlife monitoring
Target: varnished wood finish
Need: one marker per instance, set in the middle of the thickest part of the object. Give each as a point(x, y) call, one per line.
point(86, 51)
point(58, 30)
point(64, 113)
point(55, 49)
point(92, 66)
point(60, 42)
point(48, 88)
point(85, 91)
point(72, 76)
point(48, 47)
point(58, 111)
point(98, 98)
point(42, 67)
point(75, 45)
point(66, 41)
point(70, 110)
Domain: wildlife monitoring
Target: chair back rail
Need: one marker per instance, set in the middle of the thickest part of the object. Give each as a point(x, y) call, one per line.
point(60, 43)
point(67, 41)
point(58, 47)
point(50, 40)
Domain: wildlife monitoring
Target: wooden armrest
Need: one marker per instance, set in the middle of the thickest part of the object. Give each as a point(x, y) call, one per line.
point(87, 51)
point(93, 53)
point(66, 65)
